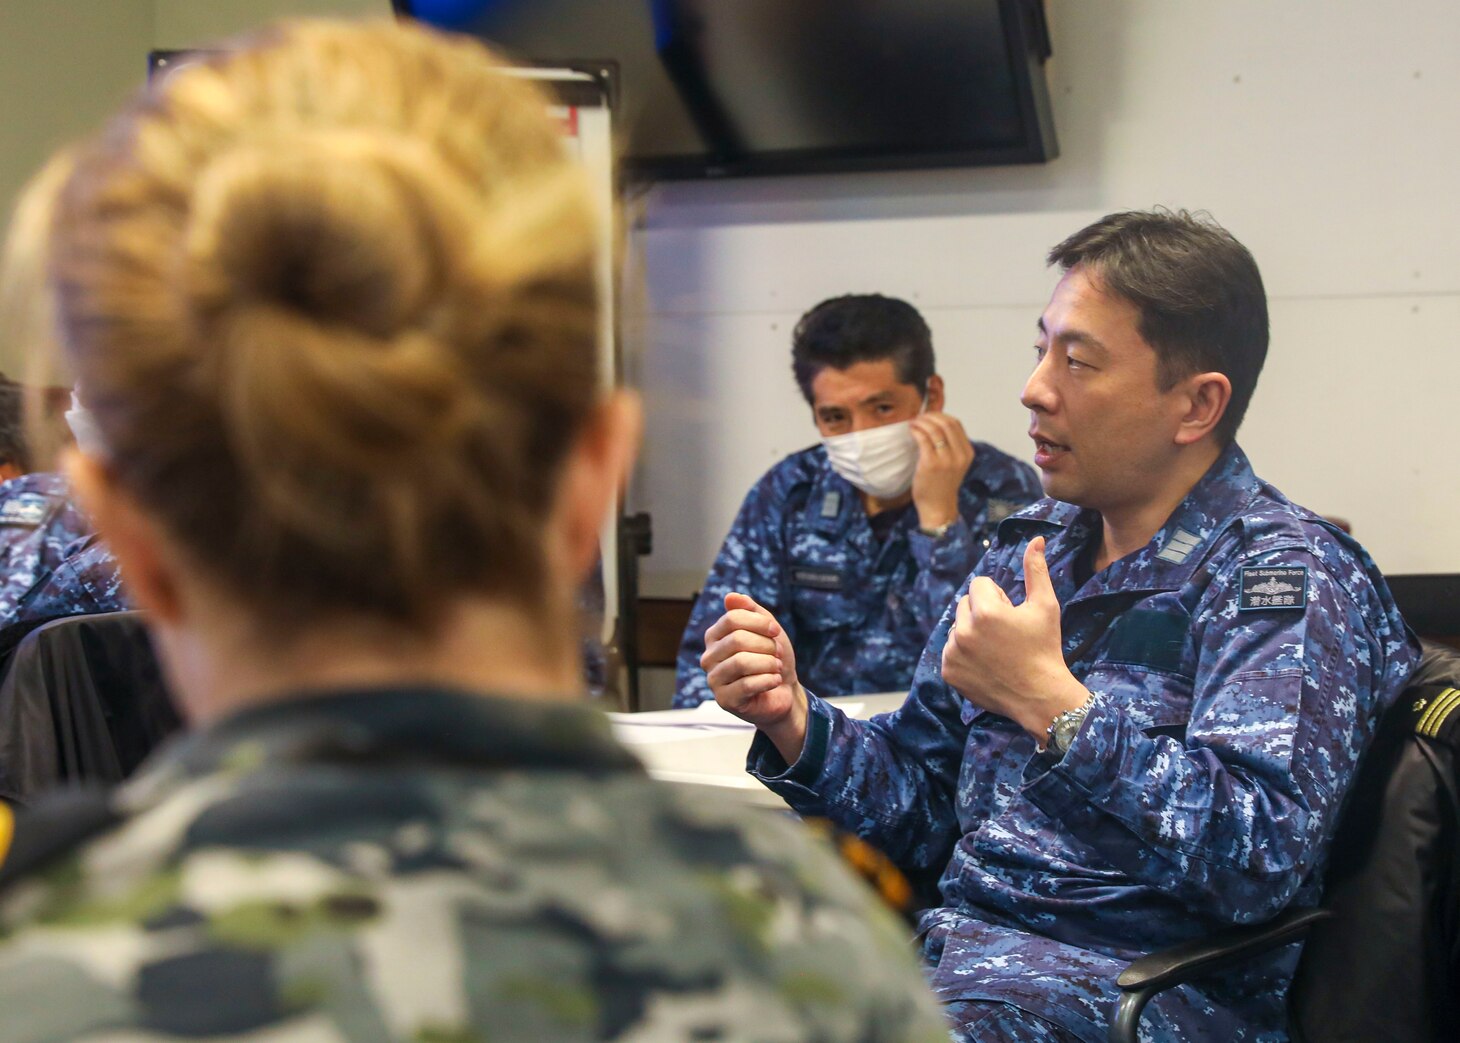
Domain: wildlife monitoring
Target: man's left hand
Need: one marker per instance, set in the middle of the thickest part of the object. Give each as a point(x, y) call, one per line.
point(1007, 658)
point(944, 457)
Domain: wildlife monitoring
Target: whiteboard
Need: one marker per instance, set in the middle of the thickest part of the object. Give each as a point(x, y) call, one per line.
point(588, 133)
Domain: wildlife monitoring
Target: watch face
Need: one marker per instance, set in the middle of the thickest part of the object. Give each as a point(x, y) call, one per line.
point(1065, 730)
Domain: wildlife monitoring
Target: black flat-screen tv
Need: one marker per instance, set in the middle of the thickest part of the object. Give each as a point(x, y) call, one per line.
point(715, 88)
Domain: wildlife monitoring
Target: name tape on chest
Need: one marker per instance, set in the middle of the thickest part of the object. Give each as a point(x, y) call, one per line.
point(817, 579)
point(1267, 588)
point(26, 510)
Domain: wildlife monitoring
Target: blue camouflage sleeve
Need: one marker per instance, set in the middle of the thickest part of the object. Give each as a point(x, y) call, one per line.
point(750, 561)
point(891, 780)
point(946, 562)
point(1232, 818)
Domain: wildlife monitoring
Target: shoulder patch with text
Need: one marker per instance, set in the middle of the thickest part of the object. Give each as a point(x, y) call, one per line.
point(1273, 587)
point(27, 509)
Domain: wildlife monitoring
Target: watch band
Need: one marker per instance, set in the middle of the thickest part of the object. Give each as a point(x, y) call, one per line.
point(935, 532)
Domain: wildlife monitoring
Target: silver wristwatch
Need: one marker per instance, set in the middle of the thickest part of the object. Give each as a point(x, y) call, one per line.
point(1064, 728)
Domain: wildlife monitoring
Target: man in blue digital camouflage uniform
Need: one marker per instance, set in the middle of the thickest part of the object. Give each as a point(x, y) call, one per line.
point(858, 544)
point(86, 582)
point(37, 523)
point(37, 519)
point(1140, 722)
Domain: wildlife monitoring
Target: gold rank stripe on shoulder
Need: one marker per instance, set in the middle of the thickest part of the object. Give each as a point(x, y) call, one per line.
point(7, 830)
point(1439, 711)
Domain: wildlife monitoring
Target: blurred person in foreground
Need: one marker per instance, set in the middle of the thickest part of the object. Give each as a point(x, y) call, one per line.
point(1140, 722)
point(330, 300)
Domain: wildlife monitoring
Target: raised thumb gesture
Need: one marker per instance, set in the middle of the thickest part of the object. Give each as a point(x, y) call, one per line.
point(1007, 658)
point(1038, 590)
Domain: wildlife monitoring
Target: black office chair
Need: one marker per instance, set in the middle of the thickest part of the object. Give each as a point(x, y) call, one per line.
point(82, 700)
point(1381, 960)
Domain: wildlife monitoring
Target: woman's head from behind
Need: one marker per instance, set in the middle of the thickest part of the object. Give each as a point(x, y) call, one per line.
point(329, 299)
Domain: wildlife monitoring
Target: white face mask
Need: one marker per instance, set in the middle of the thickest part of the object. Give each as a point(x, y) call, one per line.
point(878, 460)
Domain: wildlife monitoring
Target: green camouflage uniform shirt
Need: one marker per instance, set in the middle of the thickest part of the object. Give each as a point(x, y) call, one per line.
point(440, 867)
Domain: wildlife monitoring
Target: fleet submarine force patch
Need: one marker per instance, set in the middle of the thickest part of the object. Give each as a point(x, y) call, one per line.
point(1269, 587)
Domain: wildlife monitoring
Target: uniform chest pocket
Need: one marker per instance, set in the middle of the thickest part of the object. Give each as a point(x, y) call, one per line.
point(1143, 667)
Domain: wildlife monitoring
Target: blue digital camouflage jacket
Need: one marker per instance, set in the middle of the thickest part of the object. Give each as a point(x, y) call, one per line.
point(38, 523)
point(87, 581)
point(858, 611)
point(1239, 663)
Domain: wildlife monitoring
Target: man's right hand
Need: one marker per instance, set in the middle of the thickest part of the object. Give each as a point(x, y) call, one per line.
point(751, 668)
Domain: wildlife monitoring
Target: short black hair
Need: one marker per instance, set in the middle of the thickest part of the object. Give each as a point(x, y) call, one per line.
point(1199, 293)
point(864, 327)
point(13, 447)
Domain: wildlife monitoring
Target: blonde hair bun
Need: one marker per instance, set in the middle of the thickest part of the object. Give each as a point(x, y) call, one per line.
point(331, 295)
point(319, 225)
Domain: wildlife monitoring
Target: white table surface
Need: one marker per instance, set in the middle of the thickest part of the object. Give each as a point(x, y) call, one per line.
point(706, 746)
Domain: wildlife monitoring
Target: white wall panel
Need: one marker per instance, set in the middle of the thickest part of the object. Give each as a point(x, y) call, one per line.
point(63, 68)
point(1352, 419)
point(196, 23)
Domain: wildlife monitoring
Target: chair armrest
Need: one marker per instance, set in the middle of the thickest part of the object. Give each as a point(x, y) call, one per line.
point(1150, 974)
point(1195, 959)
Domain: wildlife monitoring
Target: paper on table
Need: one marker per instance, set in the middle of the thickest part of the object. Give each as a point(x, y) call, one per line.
point(698, 778)
point(656, 726)
point(706, 715)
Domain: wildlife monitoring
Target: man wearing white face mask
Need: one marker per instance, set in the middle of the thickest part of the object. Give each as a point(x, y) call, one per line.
point(857, 545)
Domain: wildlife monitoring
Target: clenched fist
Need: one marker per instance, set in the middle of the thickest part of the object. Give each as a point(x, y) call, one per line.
point(751, 668)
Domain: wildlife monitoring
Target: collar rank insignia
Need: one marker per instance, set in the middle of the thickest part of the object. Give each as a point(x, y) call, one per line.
point(1432, 724)
point(998, 510)
point(1179, 547)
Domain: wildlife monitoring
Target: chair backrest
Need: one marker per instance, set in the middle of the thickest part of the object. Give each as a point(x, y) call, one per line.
point(1384, 966)
point(82, 700)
